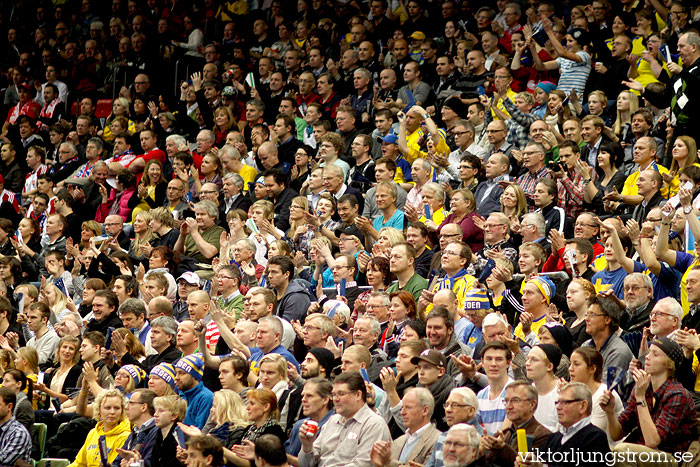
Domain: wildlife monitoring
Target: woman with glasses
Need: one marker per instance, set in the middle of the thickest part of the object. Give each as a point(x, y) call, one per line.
point(299, 231)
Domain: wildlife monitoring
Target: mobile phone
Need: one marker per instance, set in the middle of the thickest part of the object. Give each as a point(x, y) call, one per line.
point(565, 101)
point(108, 341)
point(56, 402)
point(480, 91)
point(428, 214)
point(40, 377)
point(341, 291)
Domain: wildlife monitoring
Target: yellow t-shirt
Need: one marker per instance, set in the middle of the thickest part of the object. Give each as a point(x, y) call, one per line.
point(631, 189)
point(684, 286)
point(248, 173)
point(536, 325)
point(511, 95)
point(438, 217)
point(460, 288)
point(414, 149)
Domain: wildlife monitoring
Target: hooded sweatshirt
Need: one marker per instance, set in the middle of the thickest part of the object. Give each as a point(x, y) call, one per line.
point(89, 454)
point(294, 303)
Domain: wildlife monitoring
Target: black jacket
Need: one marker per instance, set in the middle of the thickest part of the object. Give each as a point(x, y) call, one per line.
point(164, 449)
point(440, 390)
point(589, 439)
point(282, 204)
point(169, 355)
point(101, 326)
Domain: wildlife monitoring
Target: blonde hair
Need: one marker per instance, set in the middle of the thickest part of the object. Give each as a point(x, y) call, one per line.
point(536, 250)
point(94, 227)
point(294, 224)
point(101, 397)
point(67, 339)
point(468, 198)
point(230, 408)
point(173, 404)
point(279, 360)
point(31, 356)
point(521, 205)
point(60, 303)
point(634, 105)
point(587, 286)
point(163, 215)
point(266, 206)
point(144, 238)
point(394, 236)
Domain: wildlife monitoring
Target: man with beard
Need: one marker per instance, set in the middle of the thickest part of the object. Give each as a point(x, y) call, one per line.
point(639, 301)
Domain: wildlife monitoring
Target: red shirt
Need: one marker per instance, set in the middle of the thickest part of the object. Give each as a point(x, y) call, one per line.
point(154, 153)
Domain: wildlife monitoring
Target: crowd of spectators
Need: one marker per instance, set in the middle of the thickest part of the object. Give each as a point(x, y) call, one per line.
point(349, 233)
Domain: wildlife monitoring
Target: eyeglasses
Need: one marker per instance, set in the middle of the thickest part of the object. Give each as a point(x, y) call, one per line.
point(338, 394)
point(334, 268)
point(514, 400)
point(659, 313)
point(460, 133)
point(450, 235)
point(633, 287)
point(494, 131)
point(567, 402)
point(449, 405)
point(311, 328)
point(593, 315)
point(450, 253)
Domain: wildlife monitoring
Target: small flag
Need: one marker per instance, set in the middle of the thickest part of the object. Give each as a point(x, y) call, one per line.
point(61, 286)
point(250, 80)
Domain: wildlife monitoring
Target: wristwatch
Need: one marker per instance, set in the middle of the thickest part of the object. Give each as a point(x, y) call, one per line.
point(687, 210)
point(643, 403)
point(426, 116)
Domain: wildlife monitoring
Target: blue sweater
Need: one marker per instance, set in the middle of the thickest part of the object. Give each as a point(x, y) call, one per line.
point(199, 401)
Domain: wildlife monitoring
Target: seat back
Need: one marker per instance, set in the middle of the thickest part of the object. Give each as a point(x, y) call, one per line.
point(39, 434)
point(104, 108)
point(52, 462)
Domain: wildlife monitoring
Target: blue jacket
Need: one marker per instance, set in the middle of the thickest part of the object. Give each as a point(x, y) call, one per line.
point(199, 401)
